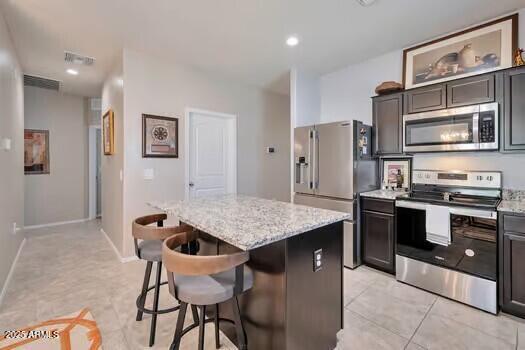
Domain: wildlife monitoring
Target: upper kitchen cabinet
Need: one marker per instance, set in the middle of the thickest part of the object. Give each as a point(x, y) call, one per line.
point(468, 91)
point(388, 126)
point(514, 110)
point(428, 98)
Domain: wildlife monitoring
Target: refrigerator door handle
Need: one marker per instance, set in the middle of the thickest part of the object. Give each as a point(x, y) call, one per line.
point(315, 185)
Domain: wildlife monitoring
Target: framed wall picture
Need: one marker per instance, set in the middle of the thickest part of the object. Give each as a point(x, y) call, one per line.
point(108, 133)
point(36, 152)
point(488, 47)
point(160, 137)
point(396, 173)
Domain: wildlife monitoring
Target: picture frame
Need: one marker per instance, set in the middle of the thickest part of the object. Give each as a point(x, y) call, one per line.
point(484, 48)
point(36, 152)
point(160, 136)
point(390, 168)
point(108, 133)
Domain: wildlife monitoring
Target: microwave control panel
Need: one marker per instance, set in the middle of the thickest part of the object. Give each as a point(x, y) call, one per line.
point(487, 127)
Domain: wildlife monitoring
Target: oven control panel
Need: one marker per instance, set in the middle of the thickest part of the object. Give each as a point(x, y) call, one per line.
point(484, 179)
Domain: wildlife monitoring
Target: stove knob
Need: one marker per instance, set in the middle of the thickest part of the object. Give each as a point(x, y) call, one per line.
point(479, 178)
point(490, 178)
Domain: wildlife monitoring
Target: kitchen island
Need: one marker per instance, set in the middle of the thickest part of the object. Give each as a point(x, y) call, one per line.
point(294, 303)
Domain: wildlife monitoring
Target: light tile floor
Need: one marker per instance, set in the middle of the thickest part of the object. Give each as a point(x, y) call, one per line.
point(66, 268)
point(381, 313)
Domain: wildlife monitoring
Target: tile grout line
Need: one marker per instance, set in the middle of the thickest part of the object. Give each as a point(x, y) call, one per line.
point(420, 323)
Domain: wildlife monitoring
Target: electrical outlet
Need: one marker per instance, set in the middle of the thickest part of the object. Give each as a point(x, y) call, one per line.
point(318, 260)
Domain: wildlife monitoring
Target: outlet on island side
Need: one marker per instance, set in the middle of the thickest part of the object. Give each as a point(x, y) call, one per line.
point(318, 260)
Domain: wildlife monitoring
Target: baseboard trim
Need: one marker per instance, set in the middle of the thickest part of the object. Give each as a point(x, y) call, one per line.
point(11, 272)
point(52, 224)
point(117, 253)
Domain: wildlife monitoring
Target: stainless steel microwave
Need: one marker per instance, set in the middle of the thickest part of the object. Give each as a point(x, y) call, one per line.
point(471, 128)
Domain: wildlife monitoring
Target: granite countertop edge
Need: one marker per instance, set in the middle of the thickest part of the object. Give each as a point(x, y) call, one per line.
point(384, 194)
point(512, 206)
point(262, 243)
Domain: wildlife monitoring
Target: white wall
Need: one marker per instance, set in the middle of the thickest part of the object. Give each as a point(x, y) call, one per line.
point(305, 98)
point(62, 194)
point(111, 166)
point(345, 94)
point(12, 162)
point(158, 87)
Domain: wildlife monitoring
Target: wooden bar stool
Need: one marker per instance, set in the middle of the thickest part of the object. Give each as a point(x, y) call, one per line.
point(204, 281)
point(148, 246)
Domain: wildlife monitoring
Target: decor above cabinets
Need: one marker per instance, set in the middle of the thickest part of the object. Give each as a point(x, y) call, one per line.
point(487, 47)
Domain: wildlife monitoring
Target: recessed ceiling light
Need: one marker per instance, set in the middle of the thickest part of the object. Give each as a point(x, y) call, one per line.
point(292, 41)
point(72, 71)
point(366, 2)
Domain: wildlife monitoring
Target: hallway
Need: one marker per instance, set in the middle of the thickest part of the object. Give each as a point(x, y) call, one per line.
point(66, 268)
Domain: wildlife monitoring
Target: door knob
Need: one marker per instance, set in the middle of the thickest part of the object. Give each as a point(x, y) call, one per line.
point(191, 184)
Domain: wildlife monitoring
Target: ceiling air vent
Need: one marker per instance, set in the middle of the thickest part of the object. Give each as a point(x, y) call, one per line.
point(71, 57)
point(44, 83)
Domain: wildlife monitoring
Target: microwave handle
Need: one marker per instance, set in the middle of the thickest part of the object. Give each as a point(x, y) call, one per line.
point(475, 128)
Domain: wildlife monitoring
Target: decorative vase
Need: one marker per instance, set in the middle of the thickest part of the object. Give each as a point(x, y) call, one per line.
point(467, 57)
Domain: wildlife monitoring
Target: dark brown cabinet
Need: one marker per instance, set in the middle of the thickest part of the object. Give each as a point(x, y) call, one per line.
point(512, 264)
point(429, 98)
point(388, 126)
point(514, 110)
point(478, 89)
point(378, 234)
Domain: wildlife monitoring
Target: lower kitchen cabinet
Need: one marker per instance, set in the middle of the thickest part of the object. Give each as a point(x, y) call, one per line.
point(378, 234)
point(512, 264)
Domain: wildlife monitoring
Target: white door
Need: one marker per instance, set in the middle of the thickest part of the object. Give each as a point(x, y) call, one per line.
point(212, 154)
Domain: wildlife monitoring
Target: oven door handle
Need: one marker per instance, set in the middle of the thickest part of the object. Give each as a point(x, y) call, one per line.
point(477, 213)
point(484, 214)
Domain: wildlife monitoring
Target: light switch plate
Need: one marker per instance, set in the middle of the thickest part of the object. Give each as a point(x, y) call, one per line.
point(149, 174)
point(6, 144)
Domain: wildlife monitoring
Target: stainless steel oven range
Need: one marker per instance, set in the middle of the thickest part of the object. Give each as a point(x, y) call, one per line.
point(447, 235)
point(471, 128)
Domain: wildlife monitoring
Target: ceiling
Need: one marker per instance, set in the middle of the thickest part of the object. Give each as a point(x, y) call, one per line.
point(242, 40)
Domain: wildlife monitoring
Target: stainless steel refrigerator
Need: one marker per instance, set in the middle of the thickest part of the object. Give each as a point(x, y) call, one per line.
point(333, 164)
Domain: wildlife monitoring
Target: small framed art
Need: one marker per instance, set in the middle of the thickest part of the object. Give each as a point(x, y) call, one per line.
point(160, 137)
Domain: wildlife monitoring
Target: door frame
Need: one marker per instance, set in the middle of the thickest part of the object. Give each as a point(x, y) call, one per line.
point(92, 185)
point(188, 113)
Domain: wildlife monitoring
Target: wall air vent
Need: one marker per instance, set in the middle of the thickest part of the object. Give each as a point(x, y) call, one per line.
point(44, 83)
point(71, 57)
point(96, 104)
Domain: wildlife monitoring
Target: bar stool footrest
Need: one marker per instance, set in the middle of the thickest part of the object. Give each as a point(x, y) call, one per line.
point(150, 311)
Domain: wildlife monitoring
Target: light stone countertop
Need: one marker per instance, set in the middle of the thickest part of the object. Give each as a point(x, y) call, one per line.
point(249, 222)
point(512, 206)
point(384, 194)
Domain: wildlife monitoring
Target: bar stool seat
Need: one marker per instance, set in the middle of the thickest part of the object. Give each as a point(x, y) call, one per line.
point(150, 250)
point(205, 281)
point(209, 290)
point(148, 246)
